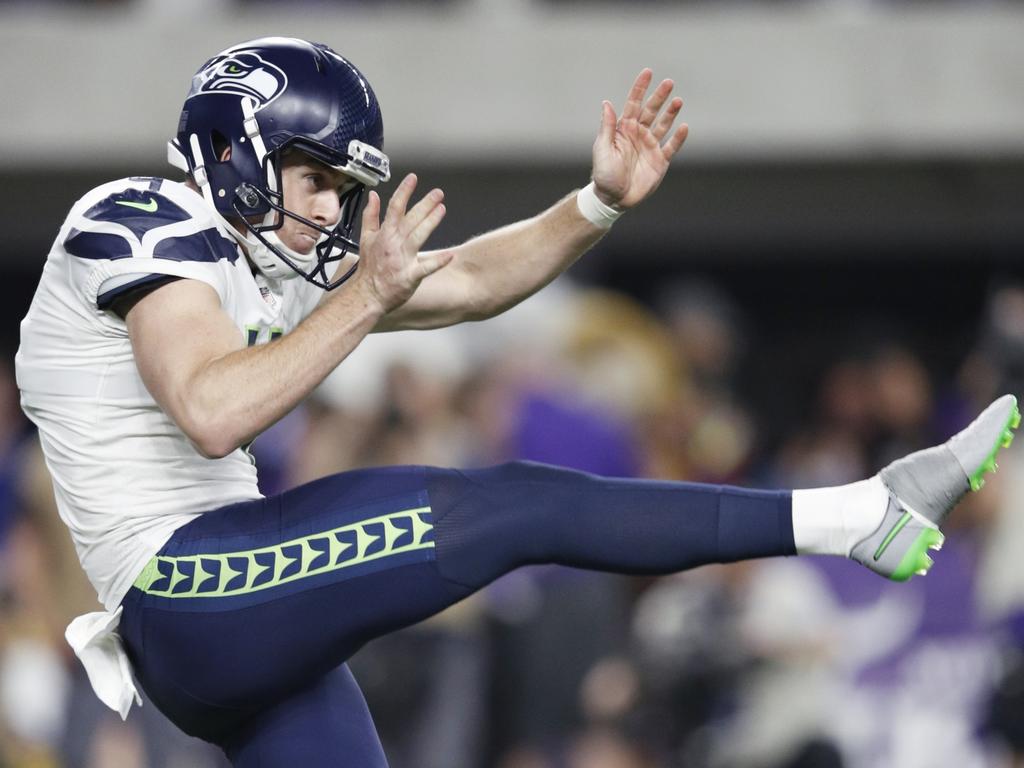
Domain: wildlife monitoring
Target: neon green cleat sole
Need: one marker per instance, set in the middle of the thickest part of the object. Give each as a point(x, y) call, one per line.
point(916, 561)
point(1006, 439)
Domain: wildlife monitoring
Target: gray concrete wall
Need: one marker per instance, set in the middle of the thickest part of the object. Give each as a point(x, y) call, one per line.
point(521, 80)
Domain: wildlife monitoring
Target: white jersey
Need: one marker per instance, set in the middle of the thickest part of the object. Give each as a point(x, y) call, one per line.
point(125, 476)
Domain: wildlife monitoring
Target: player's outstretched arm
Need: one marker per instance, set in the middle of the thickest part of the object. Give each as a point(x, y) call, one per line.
point(496, 271)
point(194, 361)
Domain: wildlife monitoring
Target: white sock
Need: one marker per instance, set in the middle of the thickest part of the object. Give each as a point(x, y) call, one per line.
point(832, 521)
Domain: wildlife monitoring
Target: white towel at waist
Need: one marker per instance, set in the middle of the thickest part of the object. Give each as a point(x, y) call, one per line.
point(95, 641)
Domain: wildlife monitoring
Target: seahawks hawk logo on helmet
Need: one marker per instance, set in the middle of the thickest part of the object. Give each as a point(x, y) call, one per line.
point(243, 73)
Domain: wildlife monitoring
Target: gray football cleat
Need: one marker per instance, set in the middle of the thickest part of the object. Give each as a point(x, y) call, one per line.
point(926, 485)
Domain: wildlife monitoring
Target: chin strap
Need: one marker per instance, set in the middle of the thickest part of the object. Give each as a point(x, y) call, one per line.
point(272, 266)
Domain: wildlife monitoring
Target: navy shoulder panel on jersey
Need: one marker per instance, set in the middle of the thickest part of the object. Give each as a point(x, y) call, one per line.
point(140, 210)
point(207, 245)
point(96, 245)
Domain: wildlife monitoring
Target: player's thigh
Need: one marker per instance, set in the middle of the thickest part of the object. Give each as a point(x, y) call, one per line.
point(249, 603)
point(326, 724)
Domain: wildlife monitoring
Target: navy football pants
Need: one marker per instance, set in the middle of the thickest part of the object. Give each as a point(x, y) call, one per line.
point(239, 628)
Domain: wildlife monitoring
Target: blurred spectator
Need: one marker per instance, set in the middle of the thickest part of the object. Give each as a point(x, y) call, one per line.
point(13, 429)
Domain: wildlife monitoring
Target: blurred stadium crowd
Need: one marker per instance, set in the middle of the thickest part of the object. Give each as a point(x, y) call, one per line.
point(808, 663)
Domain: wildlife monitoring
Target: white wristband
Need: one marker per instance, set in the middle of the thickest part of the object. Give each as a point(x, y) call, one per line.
point(596, 212)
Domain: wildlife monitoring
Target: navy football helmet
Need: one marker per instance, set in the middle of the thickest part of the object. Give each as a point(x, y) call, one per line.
point(264, 98)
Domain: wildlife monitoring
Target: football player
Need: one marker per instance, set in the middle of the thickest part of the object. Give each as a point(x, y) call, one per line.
point(175, 321)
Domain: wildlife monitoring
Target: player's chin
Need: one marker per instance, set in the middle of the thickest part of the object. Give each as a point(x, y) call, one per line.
point(302, 243)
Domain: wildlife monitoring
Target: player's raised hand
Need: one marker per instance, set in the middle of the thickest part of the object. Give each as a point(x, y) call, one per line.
point(632, 152)
point(390, 266)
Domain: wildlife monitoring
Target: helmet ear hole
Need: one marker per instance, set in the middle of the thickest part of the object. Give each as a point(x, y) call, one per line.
point(221, 146)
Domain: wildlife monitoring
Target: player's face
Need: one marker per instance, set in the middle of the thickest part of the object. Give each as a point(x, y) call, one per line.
point(312, 191)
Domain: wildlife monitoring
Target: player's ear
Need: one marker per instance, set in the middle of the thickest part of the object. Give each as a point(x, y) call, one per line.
point(226, 154)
